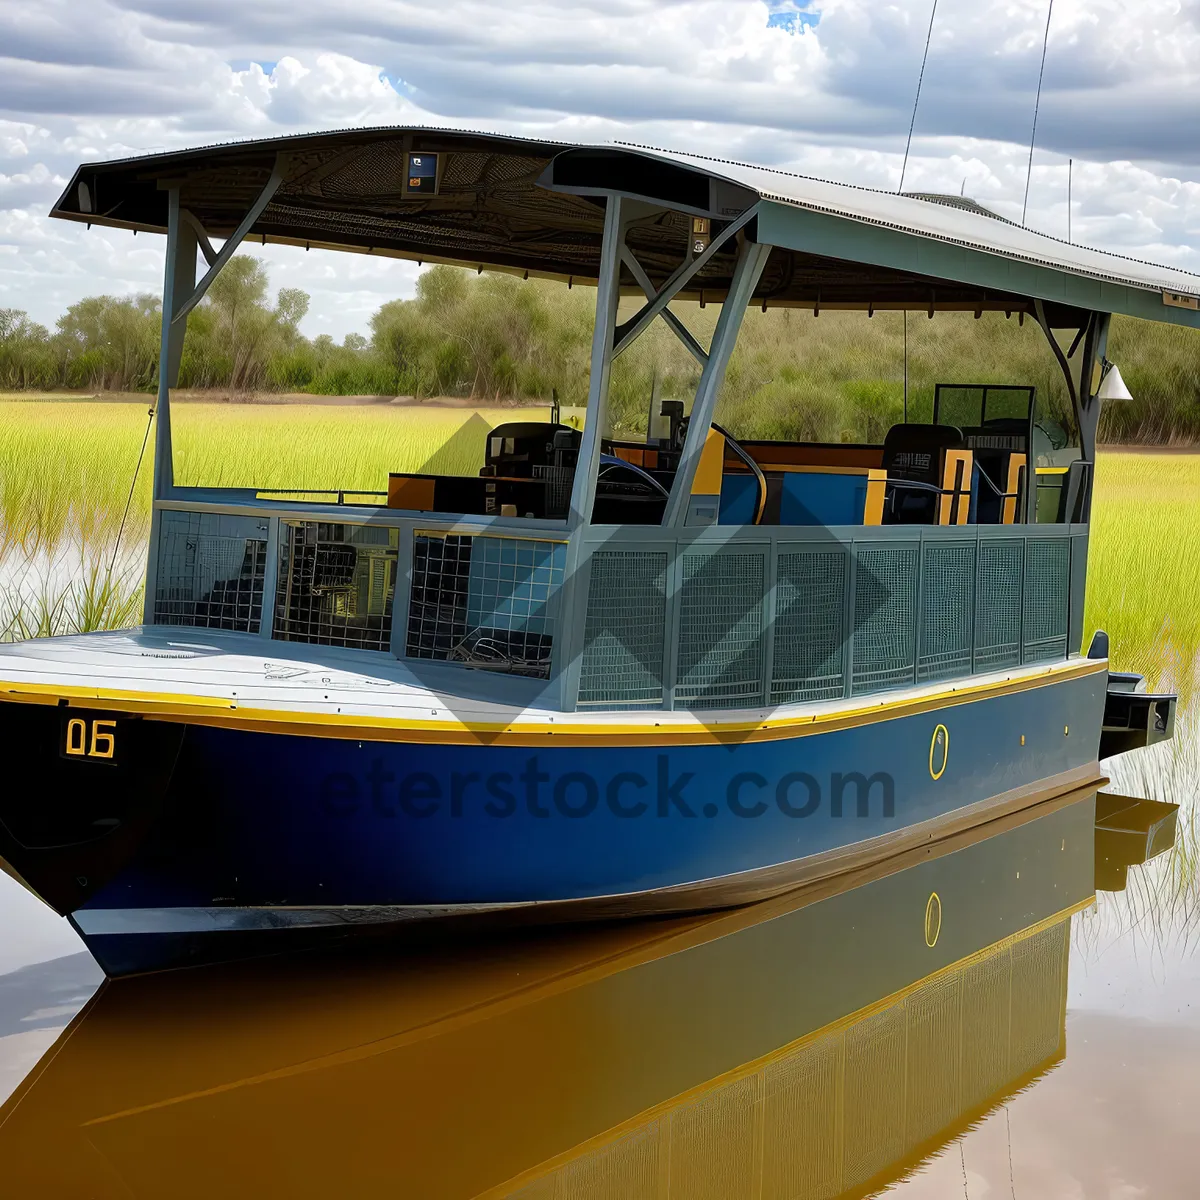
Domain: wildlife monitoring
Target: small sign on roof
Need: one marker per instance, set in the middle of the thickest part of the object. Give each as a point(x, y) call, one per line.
point(1179, 300)
point(422, 174)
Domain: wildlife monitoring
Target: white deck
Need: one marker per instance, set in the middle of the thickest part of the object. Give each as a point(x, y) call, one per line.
point(160, 666)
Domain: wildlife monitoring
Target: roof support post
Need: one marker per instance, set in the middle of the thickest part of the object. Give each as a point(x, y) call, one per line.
point(179, 281)
point(233, 241)
point(1087, 404)
point(608, 293)
point(751, 261)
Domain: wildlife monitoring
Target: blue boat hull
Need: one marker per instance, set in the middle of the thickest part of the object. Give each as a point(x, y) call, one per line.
point(261, 832)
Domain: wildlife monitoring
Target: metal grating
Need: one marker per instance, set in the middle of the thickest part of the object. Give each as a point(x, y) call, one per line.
point(998, 604)
point(885, 605)
point(1047, 583)
point(809, 629)
point(721, 631)
point(947, 602)
point(336, 584)
point(437, 604)
point(623, 638)
point(486, 602)
point(211, 569)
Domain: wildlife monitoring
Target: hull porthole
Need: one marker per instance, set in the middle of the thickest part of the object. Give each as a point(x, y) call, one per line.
point(933, 919)
point(939, 751)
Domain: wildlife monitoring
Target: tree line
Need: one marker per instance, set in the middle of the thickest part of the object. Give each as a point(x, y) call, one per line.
point(498, 339)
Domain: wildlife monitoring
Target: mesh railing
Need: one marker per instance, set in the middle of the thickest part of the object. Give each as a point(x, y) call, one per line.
point(1047, 567)
point(999, 588)
point(947, 602)
point(483, 601)
point(210, 571)
point(721, 631)
point(624, 631)
point(846, 619)
point(336, 584)
point(810, 625)
point(885, 607)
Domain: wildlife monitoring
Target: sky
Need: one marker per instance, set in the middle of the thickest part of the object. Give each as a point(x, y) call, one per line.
point(824, 87)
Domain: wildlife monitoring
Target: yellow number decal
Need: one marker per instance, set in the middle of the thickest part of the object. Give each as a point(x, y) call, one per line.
point(104, 739)
point(76, 736)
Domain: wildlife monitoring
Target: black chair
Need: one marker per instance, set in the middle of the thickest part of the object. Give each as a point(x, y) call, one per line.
point(914, 457)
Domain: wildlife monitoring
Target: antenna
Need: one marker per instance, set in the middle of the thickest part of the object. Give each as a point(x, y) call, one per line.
point(917, 98)
point(1070, 172)
point(1036, 105)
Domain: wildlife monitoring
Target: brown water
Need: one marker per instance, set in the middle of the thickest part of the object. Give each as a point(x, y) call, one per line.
point(1047, 1043)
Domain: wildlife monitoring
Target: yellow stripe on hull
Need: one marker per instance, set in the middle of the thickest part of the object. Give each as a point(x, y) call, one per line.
point(655, 728)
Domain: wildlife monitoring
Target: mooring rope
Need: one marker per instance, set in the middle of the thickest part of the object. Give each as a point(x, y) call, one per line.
point(1036, 105)
point(132, 485)
point(917, 98)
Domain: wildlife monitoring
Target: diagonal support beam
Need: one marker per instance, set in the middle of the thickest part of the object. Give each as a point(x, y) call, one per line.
point(206, 247)
point(678, 281)
point(232, 243)
point(751, 262)
point(680, 330)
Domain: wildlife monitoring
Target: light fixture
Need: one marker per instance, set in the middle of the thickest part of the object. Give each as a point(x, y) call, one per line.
point(1112, 386)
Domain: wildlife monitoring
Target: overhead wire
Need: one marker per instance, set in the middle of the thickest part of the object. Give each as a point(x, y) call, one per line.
point(917, 98)
point(132, 485)
point(1036, 105)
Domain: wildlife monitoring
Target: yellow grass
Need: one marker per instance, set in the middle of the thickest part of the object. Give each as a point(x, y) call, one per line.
point(65, 471)
point(66, 468)
point(1144, 563)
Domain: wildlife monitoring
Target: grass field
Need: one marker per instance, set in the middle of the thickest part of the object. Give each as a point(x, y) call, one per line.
point(66, 468)
point(65, 472)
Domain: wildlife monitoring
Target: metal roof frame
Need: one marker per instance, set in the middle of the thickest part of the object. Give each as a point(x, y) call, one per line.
point(536, 207)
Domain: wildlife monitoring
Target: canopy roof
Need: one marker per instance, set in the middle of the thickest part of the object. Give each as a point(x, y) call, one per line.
point(536, 207)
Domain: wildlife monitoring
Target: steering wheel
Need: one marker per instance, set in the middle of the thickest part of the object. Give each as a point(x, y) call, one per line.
point(610, 462)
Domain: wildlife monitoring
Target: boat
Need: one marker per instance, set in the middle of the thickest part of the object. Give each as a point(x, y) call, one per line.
point(603, 678)
point(824, 1043)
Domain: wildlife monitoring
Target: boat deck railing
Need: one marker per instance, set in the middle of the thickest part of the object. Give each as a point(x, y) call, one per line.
point(627, 617)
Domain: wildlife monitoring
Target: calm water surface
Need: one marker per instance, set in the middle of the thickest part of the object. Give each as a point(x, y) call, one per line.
point(969, 1024)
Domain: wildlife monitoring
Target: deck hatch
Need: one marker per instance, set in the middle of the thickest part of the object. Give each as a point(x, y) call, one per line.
point(211, 569)
point(885, 606)
point(809, 628)
point(487, 602)
point(947, 602)
point(721, 630)
point(623, 640)
point(336, 584)
point(1047, 568)
point(998, 604)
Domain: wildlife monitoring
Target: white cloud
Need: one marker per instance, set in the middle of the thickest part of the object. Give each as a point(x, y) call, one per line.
point(832, 98)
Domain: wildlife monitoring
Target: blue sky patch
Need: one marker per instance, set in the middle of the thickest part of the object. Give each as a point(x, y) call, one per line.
point(244, 64)
point(791, 15)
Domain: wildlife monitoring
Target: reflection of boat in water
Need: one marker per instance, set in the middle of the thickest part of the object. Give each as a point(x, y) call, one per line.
point(817, 1044)
point(601, 675)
